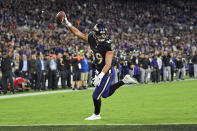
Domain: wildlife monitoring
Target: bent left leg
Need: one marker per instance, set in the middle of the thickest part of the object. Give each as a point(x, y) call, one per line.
point(114, 87)
point(127, 80)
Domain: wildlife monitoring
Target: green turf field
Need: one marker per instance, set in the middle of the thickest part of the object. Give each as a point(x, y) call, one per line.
point(164, 103)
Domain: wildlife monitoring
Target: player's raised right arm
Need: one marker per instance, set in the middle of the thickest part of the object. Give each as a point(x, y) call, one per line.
point(75, 31)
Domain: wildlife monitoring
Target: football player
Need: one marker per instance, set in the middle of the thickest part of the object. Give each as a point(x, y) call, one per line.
point(102, 58)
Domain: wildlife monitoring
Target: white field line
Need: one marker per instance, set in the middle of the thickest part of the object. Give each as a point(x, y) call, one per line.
point(38, 93)
point(62, 91)
point(135, 124)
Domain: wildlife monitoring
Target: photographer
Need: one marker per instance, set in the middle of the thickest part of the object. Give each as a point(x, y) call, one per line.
point(21, 84)
point(76, 72)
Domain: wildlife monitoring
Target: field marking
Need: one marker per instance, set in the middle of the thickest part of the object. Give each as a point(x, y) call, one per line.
point(39, 93)
point(162, 124)
point(63, 91)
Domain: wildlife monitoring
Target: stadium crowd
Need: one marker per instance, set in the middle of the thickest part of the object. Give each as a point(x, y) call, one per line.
point(153, 39)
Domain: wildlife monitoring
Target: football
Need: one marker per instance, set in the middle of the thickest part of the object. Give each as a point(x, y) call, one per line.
point(59, 17)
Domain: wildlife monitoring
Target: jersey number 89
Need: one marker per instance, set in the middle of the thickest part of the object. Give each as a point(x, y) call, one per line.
point(97, 58)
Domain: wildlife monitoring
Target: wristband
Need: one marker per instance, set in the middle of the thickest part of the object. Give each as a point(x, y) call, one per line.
point(68, 24)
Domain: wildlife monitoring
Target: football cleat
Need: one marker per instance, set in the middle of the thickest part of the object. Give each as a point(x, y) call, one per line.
point(94, 117)
point(129, 80)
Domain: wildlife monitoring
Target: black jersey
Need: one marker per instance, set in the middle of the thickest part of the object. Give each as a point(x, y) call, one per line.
point(125, 63)
point(99, 51)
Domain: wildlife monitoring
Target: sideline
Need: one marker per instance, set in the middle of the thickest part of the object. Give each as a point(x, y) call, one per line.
point(40, 93)
point(135, 124)
point(70, 90)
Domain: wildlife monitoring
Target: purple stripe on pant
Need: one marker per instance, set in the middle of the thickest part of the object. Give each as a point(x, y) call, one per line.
point(104, 87)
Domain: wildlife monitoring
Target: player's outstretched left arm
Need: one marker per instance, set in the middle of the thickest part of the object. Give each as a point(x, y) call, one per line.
point(75, 31)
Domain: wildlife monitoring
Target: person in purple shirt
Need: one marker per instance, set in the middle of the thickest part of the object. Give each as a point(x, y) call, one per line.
point(155, 67)
point(137, 73)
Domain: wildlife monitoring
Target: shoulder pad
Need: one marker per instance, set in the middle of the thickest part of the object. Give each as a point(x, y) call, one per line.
point(92, 33)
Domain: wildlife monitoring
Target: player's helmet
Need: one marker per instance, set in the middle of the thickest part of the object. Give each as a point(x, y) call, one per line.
point(100, 32)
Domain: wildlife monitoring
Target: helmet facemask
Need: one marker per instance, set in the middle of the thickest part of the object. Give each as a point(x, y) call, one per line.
point(99, 32)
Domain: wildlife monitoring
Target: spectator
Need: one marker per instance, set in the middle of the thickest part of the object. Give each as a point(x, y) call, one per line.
point(155, 68)
point(124, 66)
point(24, 66)
point(33, 71)
point(179, 68)
point(7, 74)
point(1, 86)
point(166, 67)
point(53, 72)
point(76, 67)
point(145, 69)
point(136, 72)
point(172, 65)
point(191, 66)
point(159, 61)
point(90, 73)
point(67, 66)
point(16, 66)
point(40, 73)
point(116, 68)
point(142, 71)
point(84, 69)
point(61, 70)
point(47, 65)
point(194, 60)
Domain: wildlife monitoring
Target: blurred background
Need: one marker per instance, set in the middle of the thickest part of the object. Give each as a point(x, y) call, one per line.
point(160, 32)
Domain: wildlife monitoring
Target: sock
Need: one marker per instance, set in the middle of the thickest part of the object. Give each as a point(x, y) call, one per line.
point(115, 86)
point(97, 106)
